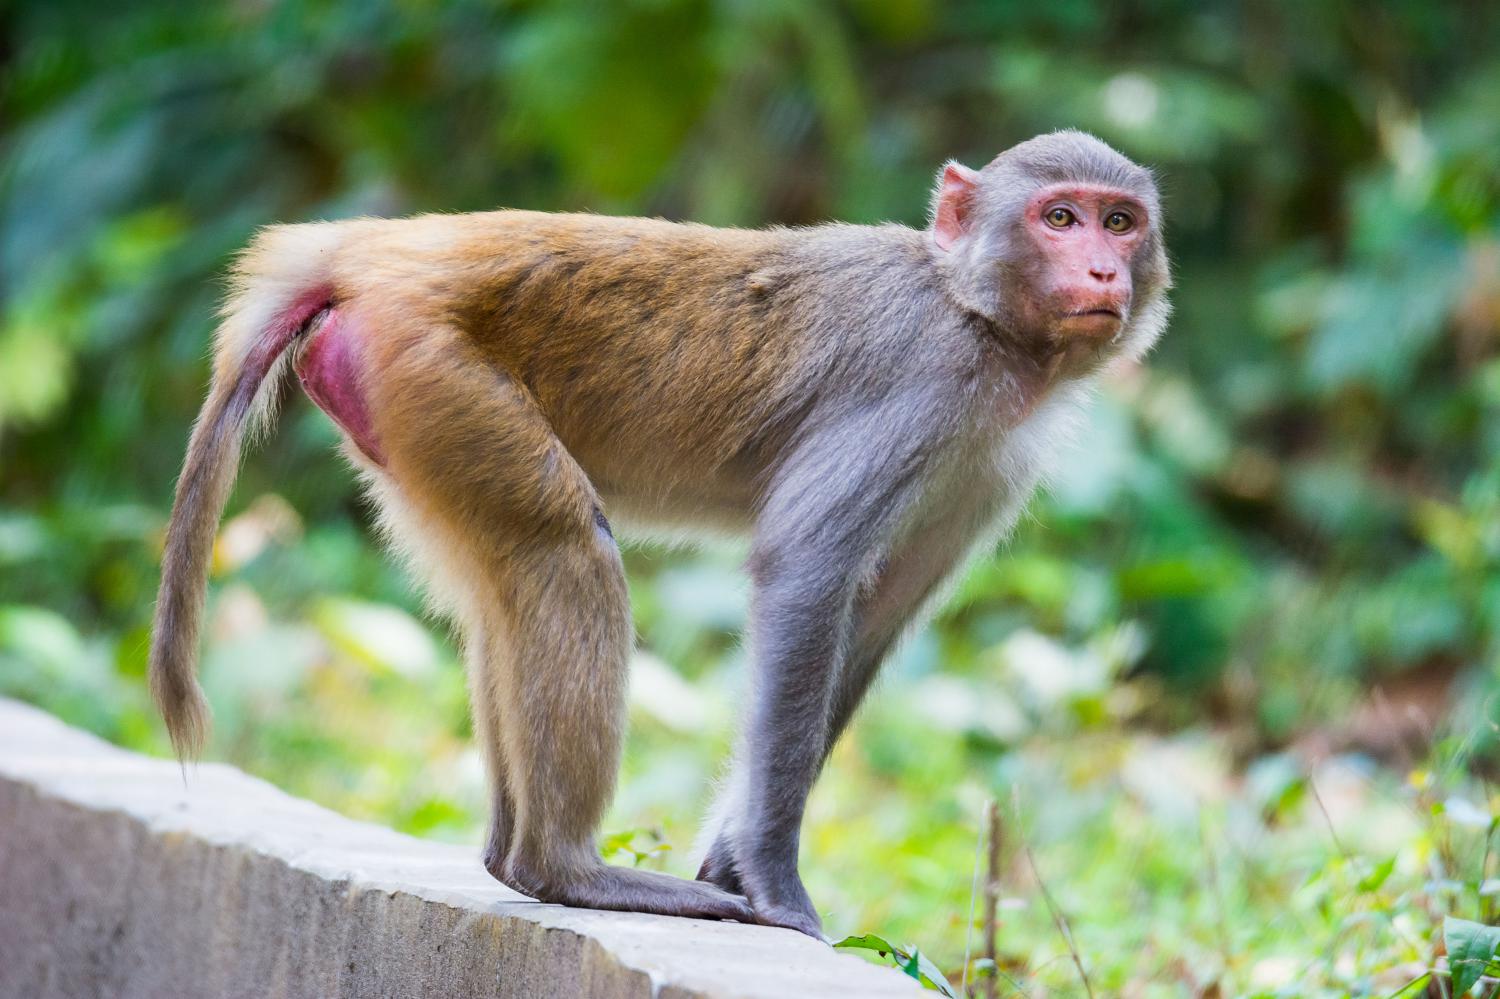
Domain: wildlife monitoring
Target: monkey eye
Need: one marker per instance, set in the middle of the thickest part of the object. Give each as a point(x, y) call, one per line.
point(1119, 222)
point(1060, 217)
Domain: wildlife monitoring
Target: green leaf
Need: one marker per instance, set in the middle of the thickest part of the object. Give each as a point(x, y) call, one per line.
point(623, 842)
point(908, 959)
point(1471, 949)
point(1378, 875)
point(868, 941)
point(931, 975)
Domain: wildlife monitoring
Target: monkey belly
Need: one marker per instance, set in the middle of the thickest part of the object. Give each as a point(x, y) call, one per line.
point(329, 369)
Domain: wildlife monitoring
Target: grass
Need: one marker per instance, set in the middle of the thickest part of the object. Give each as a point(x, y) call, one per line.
point(1138, 865)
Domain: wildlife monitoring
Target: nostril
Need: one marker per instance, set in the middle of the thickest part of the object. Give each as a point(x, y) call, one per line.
point(1105, 274)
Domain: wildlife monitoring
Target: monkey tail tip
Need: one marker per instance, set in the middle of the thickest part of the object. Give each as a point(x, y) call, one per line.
point(184, 708)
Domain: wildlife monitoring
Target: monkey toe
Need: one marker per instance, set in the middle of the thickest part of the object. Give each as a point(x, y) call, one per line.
point(628, 890)
point(717, 903)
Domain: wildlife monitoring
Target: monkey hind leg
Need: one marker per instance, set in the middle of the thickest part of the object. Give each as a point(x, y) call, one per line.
point(559, 694)
point(543, 603)
point(487, 728)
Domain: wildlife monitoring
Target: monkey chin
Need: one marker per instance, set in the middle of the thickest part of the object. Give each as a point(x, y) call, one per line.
point(1093, 324)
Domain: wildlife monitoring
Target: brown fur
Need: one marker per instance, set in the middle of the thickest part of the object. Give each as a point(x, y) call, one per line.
point(860, 400)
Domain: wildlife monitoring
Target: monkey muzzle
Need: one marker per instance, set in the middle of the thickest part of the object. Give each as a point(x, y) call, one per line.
point(1101, 319)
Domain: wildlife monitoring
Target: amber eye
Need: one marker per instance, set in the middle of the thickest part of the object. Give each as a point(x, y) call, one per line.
point(1060, 217)
point(1119, 222)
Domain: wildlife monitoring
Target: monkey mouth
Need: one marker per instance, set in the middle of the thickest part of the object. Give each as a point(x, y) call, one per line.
point(1098, 322)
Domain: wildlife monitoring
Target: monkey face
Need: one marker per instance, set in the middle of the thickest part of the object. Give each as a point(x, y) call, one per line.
point(1058, 237)
point(1083, 239)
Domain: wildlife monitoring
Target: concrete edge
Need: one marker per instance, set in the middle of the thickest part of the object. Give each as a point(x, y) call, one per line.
point(118, 879)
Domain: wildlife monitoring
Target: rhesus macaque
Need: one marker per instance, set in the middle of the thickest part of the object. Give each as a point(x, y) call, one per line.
point(869, 404)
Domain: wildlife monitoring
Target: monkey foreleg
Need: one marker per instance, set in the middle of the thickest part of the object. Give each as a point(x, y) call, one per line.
point(817, 538)
point(798, 640)
point(888, 606)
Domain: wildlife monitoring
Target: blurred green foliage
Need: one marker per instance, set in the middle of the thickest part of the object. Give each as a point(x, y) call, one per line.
point(1297, 500)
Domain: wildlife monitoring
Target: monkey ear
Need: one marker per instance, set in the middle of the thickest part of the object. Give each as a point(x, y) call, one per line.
point(953, 203)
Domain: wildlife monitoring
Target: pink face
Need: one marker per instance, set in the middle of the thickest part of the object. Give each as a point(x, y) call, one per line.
point(1086, 236)
point(1075, 272)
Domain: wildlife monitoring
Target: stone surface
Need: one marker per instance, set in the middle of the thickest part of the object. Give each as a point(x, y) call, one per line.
point(117, 878)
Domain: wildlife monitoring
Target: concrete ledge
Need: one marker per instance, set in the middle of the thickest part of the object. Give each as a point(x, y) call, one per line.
point(116, 880)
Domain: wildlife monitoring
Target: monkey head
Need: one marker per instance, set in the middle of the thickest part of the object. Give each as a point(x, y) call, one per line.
point(1058, 238)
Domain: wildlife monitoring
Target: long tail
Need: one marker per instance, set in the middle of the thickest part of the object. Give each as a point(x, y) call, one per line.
point(268, 309)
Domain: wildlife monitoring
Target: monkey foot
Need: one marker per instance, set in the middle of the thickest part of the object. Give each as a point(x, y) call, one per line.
point(794, 912)
point(628, 890)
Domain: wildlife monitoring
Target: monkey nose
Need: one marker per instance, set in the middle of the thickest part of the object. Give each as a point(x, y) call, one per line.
point(1104, 273)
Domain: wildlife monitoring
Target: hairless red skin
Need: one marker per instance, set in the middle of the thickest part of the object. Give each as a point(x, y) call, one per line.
point(289, 325)
point(1089, 286)
point(329, 370)
point(328, 366)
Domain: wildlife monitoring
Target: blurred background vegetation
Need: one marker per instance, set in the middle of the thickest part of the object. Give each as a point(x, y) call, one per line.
point(1233, 684)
